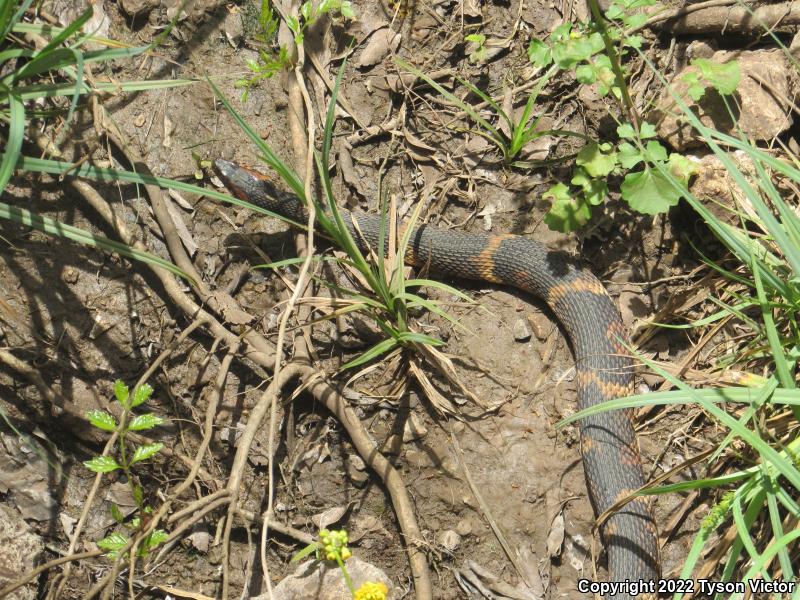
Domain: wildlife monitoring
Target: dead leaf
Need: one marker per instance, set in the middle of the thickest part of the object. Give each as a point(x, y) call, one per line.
point(555, 539)
point(418, 149)
point(380, 44)
point(330, 517)
point(183, 232)
point(180, 200)
point(168, 589)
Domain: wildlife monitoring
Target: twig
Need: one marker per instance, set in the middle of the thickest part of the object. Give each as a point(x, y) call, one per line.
point(4, 592)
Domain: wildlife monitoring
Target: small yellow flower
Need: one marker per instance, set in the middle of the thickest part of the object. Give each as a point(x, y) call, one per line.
point(371, 591)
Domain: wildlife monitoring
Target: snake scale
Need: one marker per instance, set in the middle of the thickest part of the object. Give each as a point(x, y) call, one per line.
point(580, 302)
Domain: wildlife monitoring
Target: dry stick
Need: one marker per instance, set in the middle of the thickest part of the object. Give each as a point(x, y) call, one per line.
point(300, 536)
point(197, 505)
point(209, 507)
point(42, 568)
point(260, 351)
point(661, 15)
point(734, 19)
point(257, 416)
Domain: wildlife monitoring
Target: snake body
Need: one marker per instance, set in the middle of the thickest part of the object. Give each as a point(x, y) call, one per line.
point(580, 302)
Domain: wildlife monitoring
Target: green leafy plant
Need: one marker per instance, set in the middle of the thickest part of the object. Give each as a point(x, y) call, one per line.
point(273, 61)
point(645, 190)
point(594, 51)
point(124, 461)
point(706, 74)
point(309, 13)
point(270, 62)
point(332, 546)
point(523, 130)
point(478, 49)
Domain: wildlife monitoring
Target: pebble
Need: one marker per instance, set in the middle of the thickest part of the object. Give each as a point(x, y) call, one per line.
point(521, 331)
point(449, 540)
point(464, 527)
point(414, 429)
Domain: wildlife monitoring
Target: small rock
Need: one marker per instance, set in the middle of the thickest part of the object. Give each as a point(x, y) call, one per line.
point(414, 429)
point(138, 7)
point(357, 462)
point(70, 275)
point(449, 540)
point(200, 540)
point(234, 28)
point(521, 331)
point(464, 527)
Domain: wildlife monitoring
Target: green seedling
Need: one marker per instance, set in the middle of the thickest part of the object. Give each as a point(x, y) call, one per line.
point(272, 62)
point(124, 461)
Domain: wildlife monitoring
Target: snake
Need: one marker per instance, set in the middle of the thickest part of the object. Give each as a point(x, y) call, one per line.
point(603, 365)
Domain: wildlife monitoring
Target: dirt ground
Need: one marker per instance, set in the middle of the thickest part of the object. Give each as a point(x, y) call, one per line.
point(83, 318)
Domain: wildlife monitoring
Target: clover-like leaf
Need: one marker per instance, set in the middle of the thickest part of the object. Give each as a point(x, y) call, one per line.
point(598, 159)
point(594, 189)
point(649, 192)
point(647, 130)
point(144, 452)
point(567, 212)
point(539, 53)
point(615, 11)
point(626, 131)
point(655, 152)
point(629, 155)
point(681, 167)
point(102, 420)
point(561, 33)
point(723, 77)
point(695, 88)
point(577, 47)
point(585, 74)
point(102, 464)
point(145, 421)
